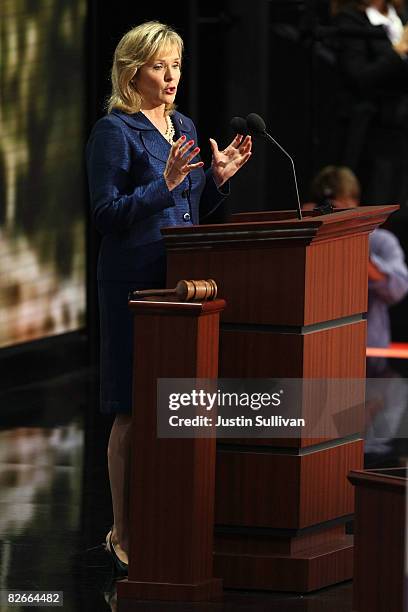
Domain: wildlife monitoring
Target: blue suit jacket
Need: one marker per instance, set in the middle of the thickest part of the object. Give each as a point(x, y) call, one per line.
point(126, 158)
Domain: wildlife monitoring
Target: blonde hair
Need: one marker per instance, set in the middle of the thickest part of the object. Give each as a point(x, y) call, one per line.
point(337, 182)
point(136, 48)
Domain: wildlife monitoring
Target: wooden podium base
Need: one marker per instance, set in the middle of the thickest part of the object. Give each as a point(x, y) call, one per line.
point(172, 480)
point(163, 591)
point(295, 539)
point(301, 572)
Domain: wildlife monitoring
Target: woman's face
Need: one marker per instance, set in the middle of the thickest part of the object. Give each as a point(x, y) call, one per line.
point(157, 80)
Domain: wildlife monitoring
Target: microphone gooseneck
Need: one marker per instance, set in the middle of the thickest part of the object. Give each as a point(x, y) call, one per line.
point(257, 125)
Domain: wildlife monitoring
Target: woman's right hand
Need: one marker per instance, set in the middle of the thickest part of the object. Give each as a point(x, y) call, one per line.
point(178, 162)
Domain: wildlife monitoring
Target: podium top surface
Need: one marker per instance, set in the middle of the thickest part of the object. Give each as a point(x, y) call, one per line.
point(172, 305)
point(393, 478)
point(281, 226)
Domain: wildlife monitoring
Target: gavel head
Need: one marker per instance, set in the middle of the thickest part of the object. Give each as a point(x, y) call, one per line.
point(190, 290)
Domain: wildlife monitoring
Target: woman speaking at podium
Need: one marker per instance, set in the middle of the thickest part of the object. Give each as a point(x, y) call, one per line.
point(144, 173)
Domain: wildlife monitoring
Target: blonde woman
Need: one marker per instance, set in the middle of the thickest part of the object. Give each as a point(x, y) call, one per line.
point(145, 173)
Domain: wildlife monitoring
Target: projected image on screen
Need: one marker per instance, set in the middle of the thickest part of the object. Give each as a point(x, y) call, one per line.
point(42, 255)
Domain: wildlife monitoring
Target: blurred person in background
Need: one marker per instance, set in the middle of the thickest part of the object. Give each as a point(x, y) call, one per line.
point(386, 391)
point(373, 61)
point(387, 270)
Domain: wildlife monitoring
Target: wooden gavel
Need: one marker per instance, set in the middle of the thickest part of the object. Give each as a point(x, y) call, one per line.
point(187, 290)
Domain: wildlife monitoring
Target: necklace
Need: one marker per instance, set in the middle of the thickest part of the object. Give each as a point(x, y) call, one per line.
point(169, 133)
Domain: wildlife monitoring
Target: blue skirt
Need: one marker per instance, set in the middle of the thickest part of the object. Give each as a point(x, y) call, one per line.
point(147, 270)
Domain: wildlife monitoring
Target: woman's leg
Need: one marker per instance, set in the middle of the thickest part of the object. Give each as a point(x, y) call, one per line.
point(119, 474)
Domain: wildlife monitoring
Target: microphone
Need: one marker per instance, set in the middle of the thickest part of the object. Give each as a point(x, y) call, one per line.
point(239, 125)
point(257, 125)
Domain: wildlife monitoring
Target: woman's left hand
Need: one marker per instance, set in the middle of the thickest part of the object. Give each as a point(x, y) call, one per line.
point(227, 162)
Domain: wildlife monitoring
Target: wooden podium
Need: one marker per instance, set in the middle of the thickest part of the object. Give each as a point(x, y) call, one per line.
point(172, 480)
point(296, 294)
point(380, 540)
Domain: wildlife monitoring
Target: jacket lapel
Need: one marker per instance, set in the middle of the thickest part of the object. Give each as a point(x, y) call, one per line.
point(181, 125)
point(156, 145)
point(153, 141)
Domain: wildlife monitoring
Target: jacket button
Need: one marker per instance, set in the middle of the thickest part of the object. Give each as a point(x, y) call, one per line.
point(184, 193)
point(186, 217)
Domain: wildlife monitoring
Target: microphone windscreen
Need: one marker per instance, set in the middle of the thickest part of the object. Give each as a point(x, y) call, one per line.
point(256, 123)
point(239, 125)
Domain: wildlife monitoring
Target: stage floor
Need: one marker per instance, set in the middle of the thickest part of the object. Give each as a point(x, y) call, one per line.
point(55, 505)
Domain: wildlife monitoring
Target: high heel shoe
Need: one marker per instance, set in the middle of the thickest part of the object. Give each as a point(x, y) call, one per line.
point(121, 568)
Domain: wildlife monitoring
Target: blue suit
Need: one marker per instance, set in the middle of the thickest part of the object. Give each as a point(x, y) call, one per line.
point(126, 158)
